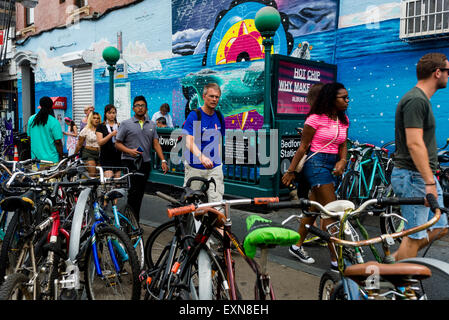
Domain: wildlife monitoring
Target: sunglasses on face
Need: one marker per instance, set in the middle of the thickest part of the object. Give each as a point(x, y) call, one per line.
point(442, 69)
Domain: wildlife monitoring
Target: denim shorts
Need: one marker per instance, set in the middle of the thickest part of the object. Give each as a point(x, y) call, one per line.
point(318, 169)
point(407, 183)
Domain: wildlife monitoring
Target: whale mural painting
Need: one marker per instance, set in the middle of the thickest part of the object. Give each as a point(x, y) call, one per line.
point(241, 102)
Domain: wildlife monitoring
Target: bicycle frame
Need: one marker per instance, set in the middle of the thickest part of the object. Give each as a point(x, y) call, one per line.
point(263, 282)
point(377, 168)
point(100, 217)
point(262, 279)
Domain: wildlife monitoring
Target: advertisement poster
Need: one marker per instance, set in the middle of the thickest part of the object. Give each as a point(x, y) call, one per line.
point(294, 78)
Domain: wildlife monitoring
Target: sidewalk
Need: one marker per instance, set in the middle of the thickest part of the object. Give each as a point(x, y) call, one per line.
point(288, 283)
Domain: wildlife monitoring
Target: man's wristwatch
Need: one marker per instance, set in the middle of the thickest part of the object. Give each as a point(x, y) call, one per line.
point(164, 161)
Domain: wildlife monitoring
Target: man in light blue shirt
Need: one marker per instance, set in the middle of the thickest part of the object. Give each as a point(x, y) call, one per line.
point(45, 133)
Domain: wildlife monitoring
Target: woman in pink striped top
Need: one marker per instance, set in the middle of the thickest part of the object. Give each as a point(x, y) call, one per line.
point(324, 141)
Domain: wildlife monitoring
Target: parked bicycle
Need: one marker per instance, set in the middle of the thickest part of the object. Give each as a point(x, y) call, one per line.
point(391, 281)
point(262, 238)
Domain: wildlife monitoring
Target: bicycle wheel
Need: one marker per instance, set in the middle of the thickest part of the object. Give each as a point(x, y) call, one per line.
point(12, 242)
point(195, 288)
point(15, 288)
point(391, 224)
point(349, 189)
point(118, 263)
point(8, 251)
point(129, 225)
point(338, 293)
point(157, 241)
point(327, 285)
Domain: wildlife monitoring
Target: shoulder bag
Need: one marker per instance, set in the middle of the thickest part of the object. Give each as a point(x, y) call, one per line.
point(305, 158)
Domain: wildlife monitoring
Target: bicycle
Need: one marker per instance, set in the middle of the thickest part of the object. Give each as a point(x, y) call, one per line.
point(170, 238)
point(262, 238)
point(42, 266)
point(106, 254)
point(365, 161)
point(391, 280)
point(12, 222)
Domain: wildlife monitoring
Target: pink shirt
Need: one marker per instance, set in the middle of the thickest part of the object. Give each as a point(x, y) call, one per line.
point(326, 129)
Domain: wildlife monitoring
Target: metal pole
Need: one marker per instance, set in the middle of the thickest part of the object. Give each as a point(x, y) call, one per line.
point(111, 69)
point(268, 43)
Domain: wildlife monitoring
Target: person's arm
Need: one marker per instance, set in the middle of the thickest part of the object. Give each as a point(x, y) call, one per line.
point(122, 148)
point(80, 143)
point(418, 151)
point(205, 161)
point(58, 144)
point(342, 153)
point(103, 140)
point(306, 138)
point(157, 147)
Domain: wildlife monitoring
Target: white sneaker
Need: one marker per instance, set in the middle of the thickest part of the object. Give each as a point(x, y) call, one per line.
point(301, 254)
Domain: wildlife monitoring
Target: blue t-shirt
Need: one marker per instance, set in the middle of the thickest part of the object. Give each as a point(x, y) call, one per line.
point(211, 132)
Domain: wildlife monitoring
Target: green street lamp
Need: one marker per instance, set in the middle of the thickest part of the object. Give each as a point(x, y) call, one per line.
point(111, 55)
point(267, 22)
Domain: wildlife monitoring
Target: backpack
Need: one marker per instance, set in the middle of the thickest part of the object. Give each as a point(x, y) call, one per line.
point(198, 115)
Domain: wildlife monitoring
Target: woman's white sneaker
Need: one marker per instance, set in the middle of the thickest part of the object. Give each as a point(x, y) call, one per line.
point(301, 254)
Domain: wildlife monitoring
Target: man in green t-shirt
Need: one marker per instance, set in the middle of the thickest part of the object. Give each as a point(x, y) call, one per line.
point(415, 158)
point(45, 133)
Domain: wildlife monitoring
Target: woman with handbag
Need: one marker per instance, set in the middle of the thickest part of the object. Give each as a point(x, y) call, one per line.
point(325, 132)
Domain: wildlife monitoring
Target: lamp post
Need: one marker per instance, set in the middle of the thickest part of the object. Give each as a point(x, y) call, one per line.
point(111, 55)
point(267, 22)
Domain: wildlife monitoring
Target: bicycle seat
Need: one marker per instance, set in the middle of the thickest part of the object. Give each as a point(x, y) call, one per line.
point(398, 274)
point(17, 202)
point(339, 205)
point(114, 194)
point(265, 233)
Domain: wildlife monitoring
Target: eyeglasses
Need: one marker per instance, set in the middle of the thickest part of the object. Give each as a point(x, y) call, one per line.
point(140, 106)
point(442, 69)
point(344, 97)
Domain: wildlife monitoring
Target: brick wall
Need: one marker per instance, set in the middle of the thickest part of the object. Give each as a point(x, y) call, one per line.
point(49, 14)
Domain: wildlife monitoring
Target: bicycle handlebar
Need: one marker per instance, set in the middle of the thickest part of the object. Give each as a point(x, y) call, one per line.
point(433, 206)
point(171, 212)
point(181, 210)
point(384, 202)
point(206, 183)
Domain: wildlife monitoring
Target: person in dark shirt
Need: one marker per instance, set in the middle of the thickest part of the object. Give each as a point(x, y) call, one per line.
point(110, 157)
point(415, 158)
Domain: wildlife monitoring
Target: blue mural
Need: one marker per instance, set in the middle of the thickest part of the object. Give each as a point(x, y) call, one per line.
point(170, 62)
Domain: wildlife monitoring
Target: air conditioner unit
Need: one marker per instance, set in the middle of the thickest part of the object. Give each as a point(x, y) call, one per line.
point(424, 19)
point(78, 58)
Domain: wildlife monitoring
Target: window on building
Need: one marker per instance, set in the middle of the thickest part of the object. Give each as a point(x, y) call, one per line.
point(422, 19)
point(81, 3)
point(29, 16)
point(61, 1)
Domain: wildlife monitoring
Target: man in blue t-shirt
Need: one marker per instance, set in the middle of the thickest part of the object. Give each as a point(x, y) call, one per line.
point(203, 142)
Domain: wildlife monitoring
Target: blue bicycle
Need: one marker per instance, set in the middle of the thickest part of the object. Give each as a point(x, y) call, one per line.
point(112, 265)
